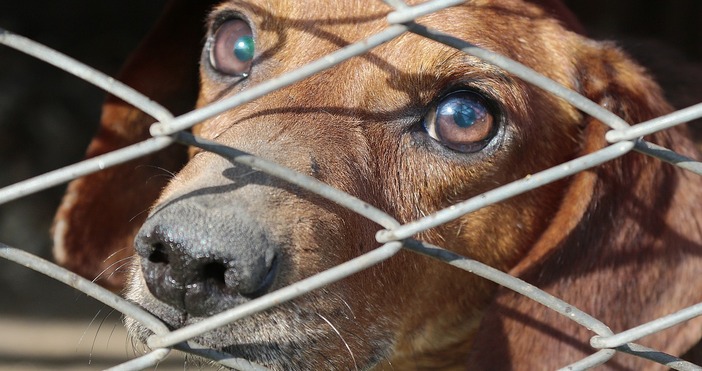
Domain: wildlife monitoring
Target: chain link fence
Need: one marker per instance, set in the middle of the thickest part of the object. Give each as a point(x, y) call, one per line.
point(395, 237)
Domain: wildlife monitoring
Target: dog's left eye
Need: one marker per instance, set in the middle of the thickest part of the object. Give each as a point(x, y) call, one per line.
point(231, 48)
point(461, 121)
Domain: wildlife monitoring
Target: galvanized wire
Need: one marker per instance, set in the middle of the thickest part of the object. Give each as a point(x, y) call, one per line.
point(622, 341)
point(672, 362)
point(512, 283)
point(89, 288)
point(100, 80)
point(525, 73)
point(222, 358)
point(638, 332)
point(85, 167)
point(150, 359)
point(86, 73)
point(305, 181)
point(279, 296)
point(395, 237)
point(655, 125)
point(504, 192)
point(671, 157)
point(191, 118)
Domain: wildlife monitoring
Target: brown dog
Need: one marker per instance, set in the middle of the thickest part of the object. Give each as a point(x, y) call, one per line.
point(411, 127)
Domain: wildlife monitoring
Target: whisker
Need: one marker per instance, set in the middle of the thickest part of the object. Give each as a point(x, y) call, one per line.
point(168, 172)
point(353, 315)
point(97, 332)
point(342, 340)
point(112, 332)
point(139, 213)
point(119, 269)
point(80, 341)
point(114, 253)
point(120, 261)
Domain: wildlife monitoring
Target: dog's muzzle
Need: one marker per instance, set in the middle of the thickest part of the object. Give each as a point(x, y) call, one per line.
point(203, 257)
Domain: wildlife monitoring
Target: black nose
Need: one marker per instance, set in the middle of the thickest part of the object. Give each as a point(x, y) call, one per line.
point(204, 260)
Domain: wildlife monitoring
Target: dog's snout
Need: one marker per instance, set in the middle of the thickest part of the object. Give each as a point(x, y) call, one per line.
point(205, 263)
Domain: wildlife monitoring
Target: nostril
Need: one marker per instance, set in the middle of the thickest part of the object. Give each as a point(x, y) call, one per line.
point(158, 255)
point(214, 272)
point(264, 282)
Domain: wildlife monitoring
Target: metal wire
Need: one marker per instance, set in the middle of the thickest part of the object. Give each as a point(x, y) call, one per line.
point(395, 237)
point(613, 341)
point(148, 360)
point(223, 359)
point(189, 119)
point(85, 167)
point(668, 156)
point(504, 192)
point(89, 288)
point(305, 181)
point(511, 283)
point(86, 73)
point(282, 295)
point(657, 124)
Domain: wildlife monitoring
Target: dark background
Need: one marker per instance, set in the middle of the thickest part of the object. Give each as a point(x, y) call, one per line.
point(46, 120)
point(47, 116)
point(676, 23)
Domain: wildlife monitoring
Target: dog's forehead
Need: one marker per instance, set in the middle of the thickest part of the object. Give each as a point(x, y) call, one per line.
point(290, 34)
point(338, 23)
point(401, 76)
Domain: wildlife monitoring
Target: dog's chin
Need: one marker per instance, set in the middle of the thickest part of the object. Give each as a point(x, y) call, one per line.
point(288, 337)
point(270, 340)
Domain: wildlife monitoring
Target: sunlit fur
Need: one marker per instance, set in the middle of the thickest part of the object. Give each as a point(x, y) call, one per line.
point(615, 241)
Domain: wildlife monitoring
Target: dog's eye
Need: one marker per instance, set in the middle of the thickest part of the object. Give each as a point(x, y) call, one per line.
point(231, 48)
point(461, 121)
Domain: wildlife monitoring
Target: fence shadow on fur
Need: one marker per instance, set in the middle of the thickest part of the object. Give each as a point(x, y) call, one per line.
point(395, 237)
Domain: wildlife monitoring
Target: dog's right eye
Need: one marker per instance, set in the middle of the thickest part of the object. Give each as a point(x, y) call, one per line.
point(462, 121)
point(231, 48)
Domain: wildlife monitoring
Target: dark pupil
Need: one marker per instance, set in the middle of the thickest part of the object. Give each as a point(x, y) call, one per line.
point(244, 48)
point(464, 115)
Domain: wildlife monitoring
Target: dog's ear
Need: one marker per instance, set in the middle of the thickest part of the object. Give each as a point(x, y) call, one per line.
point(100, 214)
point(614, 249)
point(559, 11)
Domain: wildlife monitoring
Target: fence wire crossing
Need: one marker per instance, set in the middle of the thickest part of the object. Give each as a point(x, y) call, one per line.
point(395, 237)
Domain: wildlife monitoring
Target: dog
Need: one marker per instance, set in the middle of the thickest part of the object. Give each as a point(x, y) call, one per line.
point(411, 127)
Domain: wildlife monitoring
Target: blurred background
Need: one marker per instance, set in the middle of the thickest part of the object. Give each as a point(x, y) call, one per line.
point(47, 118)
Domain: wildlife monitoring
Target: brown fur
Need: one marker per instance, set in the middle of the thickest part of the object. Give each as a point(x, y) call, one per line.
point(614, 241)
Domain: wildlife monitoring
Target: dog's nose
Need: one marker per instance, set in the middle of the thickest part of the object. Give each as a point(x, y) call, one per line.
point(202, 261)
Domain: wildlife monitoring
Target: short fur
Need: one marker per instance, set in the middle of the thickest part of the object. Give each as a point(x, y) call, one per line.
point(621, 241)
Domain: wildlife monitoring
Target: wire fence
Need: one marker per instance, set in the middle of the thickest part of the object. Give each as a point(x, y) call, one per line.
point(395, 237)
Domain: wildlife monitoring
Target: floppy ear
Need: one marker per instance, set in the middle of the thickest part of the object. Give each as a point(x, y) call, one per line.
point(562, 13)
point(100, 214)
point(624, 239)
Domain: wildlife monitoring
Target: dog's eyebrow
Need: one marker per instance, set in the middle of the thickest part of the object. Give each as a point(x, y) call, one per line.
point(219, 16)
point(458, 68)
point(233, 9)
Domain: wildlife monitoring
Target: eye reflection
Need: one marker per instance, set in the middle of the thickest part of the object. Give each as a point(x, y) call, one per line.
point(461, 121)
point(232, 48)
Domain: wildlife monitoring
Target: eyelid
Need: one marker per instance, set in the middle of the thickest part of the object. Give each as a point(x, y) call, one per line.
point(430, 121)
point(218, 18)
